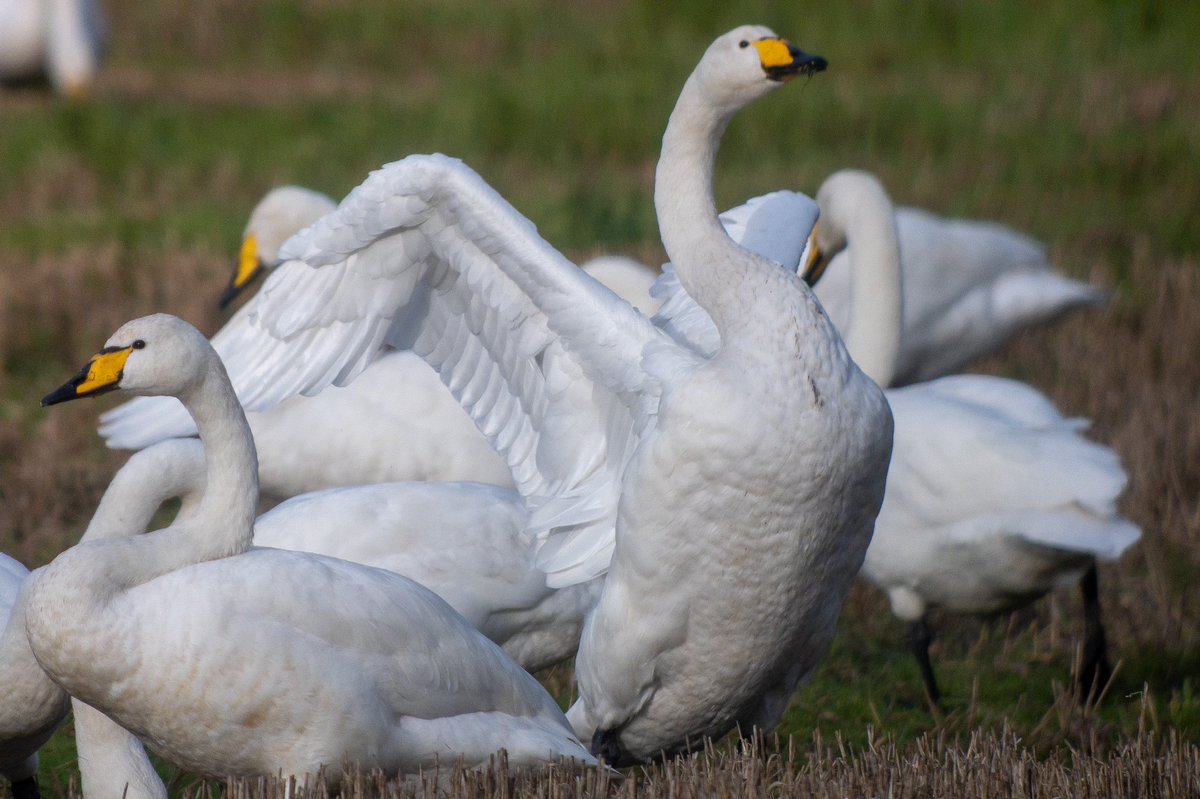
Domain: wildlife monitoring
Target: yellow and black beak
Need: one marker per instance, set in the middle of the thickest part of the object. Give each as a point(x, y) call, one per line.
point(818, 260)
point(249, 266)
point(101, 375)
point(782, 61)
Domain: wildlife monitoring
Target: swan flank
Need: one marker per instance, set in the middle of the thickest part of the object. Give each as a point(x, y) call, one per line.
point(729, 498)
point(357, 663)
point(993, 497)
point(61, 39)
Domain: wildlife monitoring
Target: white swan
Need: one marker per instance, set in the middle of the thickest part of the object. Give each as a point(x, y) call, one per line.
point(733, 495)
point(993, 498)
point(31, 706)
point(352, 662)
point(969, 287)
point(61, 39)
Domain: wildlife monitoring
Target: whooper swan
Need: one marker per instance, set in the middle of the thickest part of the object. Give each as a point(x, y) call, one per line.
point(235, 660)
point(993, 497)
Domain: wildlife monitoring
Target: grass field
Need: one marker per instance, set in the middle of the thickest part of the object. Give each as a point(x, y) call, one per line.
point(1078, 122)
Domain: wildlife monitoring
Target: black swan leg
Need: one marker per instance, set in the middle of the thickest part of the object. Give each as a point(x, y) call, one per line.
point(919, 639)
point(1094, 671)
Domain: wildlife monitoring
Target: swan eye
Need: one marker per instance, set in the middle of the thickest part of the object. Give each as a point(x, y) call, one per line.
point(743, 44)
point(139, 344)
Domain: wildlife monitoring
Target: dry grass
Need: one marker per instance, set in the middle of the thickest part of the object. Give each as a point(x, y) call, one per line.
point(986, 764)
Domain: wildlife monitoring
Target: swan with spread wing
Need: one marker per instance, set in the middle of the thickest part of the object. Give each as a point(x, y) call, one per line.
point(729, 497)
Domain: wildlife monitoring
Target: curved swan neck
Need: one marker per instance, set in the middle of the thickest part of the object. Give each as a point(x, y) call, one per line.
point(687, 211)
point(172, 468)
point(857, 210)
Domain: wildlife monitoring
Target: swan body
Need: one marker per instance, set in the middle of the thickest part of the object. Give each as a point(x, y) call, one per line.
point(465, 542)
point(358, 663)
point(729, 497)
point(31, 706)
point(993, 497)
point(61, 39)
point(969, 287)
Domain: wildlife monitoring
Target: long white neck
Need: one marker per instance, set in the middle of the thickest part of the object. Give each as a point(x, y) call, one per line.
point(866, 218)
point(687, 212)
point(223, 521)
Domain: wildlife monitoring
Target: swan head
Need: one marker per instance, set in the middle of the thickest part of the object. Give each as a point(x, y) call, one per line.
point(284, 211)
point(749, 62)
point(849, 199)
point(154, 355)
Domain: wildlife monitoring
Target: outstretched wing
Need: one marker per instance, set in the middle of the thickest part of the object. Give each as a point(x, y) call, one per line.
point(559, 373)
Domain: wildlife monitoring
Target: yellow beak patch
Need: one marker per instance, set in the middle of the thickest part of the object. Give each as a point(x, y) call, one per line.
point(817, 261)
point(248, 264)
point(773, 53)
point(103, 371)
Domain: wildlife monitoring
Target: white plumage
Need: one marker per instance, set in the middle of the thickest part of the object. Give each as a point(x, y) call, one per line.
point(733, 495)
point(236, 660)
point(60, 39)
point(993, 497)
point(396, 422)
point(466, 542)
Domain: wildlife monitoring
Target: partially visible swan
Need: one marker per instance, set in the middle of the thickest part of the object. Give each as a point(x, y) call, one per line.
point(236, 660)
point(31, 706)
point(466, 542)
point(729, 497)
point(993, 497)
point(61, 39)
point(969, 287)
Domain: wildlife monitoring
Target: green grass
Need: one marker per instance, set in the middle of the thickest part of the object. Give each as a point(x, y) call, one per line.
point(1078, 122)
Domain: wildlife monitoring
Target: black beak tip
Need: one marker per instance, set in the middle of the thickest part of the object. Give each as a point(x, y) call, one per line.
point(61, 394)
point(227, 296)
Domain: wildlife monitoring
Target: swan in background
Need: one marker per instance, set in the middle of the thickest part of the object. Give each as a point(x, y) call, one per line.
point(465, 542)
point(31, 706)
point(355, 663)
point(729, 510)
point(969, 287)
point(61, 39)
point(993, 497)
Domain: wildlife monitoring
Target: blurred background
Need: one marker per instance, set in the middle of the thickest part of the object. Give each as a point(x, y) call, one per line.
point(1077, 122)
